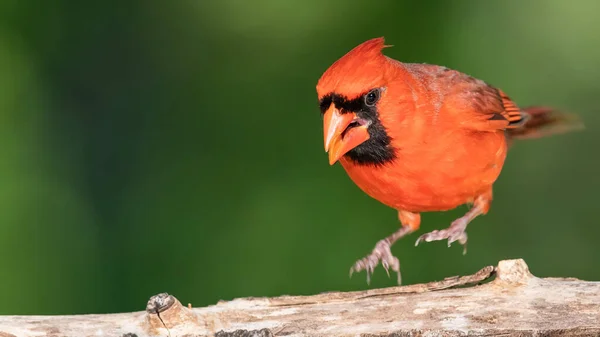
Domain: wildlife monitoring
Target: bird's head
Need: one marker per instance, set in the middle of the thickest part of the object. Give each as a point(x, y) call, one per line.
point(352, 94)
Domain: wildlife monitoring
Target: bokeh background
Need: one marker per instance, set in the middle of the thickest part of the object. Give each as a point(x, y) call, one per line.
point(151, 146)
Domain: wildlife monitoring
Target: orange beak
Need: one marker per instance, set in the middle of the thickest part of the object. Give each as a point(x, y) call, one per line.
point(339, 139)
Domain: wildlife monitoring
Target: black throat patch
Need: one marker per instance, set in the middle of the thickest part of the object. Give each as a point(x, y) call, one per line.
point(377, 150)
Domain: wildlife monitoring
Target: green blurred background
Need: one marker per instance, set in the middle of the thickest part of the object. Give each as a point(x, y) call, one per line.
point(151, 146)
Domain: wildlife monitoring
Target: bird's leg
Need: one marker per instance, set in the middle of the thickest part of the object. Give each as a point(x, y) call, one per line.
point(456, 231)
point(382, 252)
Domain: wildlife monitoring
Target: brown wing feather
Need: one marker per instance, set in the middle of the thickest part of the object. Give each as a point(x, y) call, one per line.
point(480, 106)
point(473, 104)
point(512, 113)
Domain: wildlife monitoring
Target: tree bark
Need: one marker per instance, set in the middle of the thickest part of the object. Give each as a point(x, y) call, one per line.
point(505, 300)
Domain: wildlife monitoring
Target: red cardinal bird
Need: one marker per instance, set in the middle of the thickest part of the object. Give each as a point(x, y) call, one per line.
point(421, 138)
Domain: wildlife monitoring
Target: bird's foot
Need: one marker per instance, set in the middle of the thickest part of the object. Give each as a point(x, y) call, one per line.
point(383, 253)
point(456, 232)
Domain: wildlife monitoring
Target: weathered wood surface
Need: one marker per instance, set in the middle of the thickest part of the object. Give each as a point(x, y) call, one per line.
point(496, 301)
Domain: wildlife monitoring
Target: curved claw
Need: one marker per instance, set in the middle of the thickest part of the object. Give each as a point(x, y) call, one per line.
point(418, 241)
point(386, 266)
point(432, 236)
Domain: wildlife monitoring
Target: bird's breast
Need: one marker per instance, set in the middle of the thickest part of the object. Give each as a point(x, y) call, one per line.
point(436, 176)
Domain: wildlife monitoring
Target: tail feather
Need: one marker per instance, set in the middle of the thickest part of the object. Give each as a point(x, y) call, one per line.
point(545, 121)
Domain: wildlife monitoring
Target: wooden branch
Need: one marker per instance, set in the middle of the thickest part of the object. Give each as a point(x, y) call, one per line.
point(496, 301)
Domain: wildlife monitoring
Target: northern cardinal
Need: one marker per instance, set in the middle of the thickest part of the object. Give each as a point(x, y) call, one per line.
point(421, 138)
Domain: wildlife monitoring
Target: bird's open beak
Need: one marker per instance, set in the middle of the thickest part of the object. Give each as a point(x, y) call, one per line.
point(342, 132)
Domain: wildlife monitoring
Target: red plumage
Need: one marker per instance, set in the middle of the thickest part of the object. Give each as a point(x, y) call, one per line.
point(420, 138)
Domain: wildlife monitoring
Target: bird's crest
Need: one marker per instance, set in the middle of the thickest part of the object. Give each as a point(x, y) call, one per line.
point(360, 69)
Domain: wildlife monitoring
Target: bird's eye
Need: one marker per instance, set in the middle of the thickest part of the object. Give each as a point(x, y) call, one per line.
point(372, 97)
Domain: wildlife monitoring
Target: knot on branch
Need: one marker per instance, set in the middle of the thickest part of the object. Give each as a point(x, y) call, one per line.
point(159, 303)
point(513, 271)
point(165, 312)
